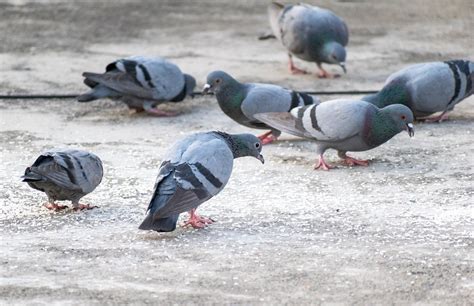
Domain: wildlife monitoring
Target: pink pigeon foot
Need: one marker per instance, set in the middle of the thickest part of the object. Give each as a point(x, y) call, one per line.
point(440, 118)
point(321, 164)
point(350, 161)
point(267, 138)
point(56, 207)
point(323, 74)
point(293, 69)
point(160, 113)
point(84, 206)
point(197, 221)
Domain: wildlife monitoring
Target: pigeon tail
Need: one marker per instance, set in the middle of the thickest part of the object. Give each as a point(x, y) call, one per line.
point(159, 225)
point(31, 176)
point(97, 92)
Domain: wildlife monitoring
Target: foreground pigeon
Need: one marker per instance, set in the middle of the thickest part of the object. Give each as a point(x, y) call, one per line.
point(428, 88)
point(141, 82)
point(194, 170)
point(65, 175)
point(241, 101)
point(310, 33)
point(343, 125)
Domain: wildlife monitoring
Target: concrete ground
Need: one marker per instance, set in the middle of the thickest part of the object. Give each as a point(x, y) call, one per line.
point(397, 232)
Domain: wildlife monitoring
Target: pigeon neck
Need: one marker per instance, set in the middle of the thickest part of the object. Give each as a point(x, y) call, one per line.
point(230, 99)
point(379, 127)
point(234, 144)
point(392, 93)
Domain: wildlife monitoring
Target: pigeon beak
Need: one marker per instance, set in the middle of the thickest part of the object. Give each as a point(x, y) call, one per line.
point(411, 131)
point(205, 89)
point(260, 158)
point(343, 66)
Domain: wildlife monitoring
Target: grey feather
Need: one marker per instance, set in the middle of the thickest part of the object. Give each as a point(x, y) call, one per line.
point(242, 101)
point(428, 88)
point(65, 174)
point(140, 78)
point(194, 170)
point(309, 32)
point(343, 125)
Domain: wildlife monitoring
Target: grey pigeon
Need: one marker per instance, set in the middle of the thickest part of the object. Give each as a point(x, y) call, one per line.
point(343, 125)
point(141, 82)
point(310, 33)
point(65, 175)
point(428, 88)
point(195, 169)
point(241, 101)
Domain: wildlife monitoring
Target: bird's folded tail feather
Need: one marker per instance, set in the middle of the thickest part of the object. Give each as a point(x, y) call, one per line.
point(31, 176)
point(160, 225)
point(282, 121)
point(98, 92)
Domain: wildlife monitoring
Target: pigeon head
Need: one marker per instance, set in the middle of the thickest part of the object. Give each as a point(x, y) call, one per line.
point(247, 145)
point(402, 117)
point(218, 81)
point(335, 53)
point(190, 82)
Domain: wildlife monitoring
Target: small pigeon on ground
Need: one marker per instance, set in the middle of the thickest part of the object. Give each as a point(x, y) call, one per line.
point(343, 125)
point(310, 33)
point(428, 88)
point(140, 82)
point(241, 101)
point(195, 169)
point(65, 175)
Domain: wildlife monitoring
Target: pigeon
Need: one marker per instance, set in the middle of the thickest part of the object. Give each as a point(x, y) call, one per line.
point(65, 175)
point(310, 33)
point(428, 88)
point(141, 82)
point(194, 170)
point(241, 101)
point(343, 125)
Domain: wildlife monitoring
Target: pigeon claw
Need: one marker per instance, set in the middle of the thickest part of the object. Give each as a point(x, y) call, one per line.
point(84, 206)
point(160, 113)
point(197, 221)
point(267, 138)
point(55, 207)
point(321, 164)
point(350, 161)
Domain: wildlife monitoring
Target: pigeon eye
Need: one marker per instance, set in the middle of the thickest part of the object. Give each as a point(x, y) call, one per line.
point(404, 117)
point(218, 81)
point(257, 145)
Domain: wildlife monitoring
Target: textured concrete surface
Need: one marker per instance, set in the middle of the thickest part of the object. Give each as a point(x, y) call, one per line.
point(397, 232)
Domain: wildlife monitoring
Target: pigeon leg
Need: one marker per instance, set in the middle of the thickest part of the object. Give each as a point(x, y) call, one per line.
point(350, 161)
point(53, 206)
point(440, 118)
point(264, 135)
point(323, 74)
point(267, 137)
point(78, 207)
point(321, 163)
point(160, 113)
point(293, 68)
point(152, 110)
point(197, 221)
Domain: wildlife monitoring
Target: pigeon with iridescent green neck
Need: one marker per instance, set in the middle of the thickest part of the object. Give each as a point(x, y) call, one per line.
point(194, 170)
point(310, 33)
point(141, 82)
point(241, 101)
point(428, 88)
point(343, 125)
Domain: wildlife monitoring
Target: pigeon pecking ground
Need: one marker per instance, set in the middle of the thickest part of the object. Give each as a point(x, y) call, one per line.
point(397, 231)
